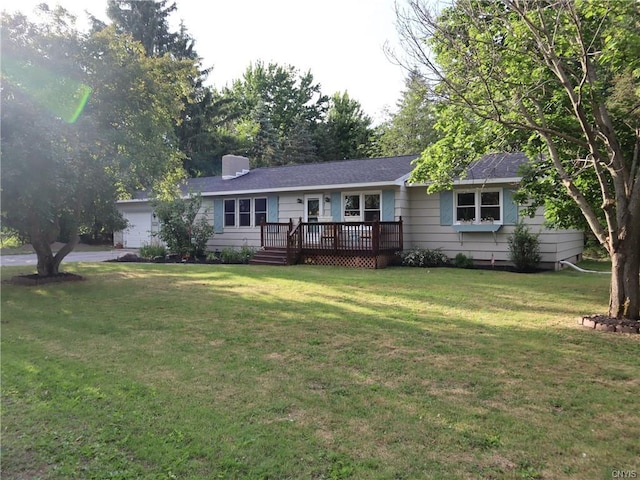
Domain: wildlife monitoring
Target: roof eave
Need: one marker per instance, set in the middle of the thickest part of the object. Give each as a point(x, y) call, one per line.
point(303, 188)
point(475, 181)
point(342, 186)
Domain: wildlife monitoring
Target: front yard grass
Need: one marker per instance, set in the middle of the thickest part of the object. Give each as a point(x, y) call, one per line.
point(200, 371)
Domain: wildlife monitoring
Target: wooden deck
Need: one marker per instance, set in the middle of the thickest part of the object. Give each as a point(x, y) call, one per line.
point(361, 244)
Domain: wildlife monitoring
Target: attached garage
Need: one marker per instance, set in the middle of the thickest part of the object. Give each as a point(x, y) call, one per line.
point(141, 225)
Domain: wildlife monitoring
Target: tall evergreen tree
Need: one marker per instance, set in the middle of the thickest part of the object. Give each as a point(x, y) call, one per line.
point(147, 22)
point(411, 129)
point(200, 138)
point(346, 132)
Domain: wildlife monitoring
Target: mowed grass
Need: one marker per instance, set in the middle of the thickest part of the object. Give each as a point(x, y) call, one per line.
point(200, 372)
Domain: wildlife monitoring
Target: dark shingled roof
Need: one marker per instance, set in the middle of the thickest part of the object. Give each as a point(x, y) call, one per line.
point(345, 172)
point(369, 170)
point(496, 165)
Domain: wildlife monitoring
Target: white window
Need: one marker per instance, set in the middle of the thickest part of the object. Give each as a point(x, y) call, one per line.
point(241, 212)
point(371, 207)
point(478, 206)
point(230, 212)
point(260, 209)
point(352, 206)
point(244, 212)
point(361, 206)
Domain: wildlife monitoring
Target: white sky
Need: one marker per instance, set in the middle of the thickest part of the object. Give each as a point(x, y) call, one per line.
point(339, 41)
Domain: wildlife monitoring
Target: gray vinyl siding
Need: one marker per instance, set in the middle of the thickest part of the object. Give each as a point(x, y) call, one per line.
point(422, 229)
point(225, 237)
point(422, 224)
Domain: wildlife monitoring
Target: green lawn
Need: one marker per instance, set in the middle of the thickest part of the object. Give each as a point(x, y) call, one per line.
point(200, 372)
point(25, 249)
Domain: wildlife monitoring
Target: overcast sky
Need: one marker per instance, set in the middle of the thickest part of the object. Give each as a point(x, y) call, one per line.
point(339, 41)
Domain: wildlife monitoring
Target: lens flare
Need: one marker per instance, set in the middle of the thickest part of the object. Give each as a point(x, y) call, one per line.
point(62, 96)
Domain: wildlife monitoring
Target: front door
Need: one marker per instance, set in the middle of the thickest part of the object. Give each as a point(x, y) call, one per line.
point(312, 211)
point(312, 208)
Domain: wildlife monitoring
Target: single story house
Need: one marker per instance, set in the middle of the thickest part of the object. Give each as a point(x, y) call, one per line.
point(363, 205)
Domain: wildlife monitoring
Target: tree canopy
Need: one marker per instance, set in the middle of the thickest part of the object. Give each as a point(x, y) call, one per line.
point(411, 129)
point(346, 131)
point(62, 170)
point(200, 129)
point(557, 79)
point(274, 104)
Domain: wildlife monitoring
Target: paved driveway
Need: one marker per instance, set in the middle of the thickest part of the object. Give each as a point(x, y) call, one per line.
point(31, 259)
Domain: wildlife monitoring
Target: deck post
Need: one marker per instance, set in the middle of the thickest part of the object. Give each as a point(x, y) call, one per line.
point(400, 240)
point(262, 224)
point(375, 237)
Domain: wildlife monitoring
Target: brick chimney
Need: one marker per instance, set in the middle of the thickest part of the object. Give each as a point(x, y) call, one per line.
point(234, 166)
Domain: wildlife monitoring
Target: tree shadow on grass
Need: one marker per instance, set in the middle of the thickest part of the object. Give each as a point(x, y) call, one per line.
point(377, 373)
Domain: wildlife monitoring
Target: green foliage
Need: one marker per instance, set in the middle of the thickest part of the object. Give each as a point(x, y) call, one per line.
point(9, 238)
point(462, 261)
point(412, 128)
point(151, 251)
point(346, 131)
point(423, 257)
point(593, 249)
point(560, 84)
point(200, 131)
point(280, 105)
point(524, 249)
point(235, 255)
point(147, 23)
point(183, 226)
point(65, 175)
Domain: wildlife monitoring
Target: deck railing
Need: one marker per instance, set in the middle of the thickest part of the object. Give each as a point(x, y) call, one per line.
point(275, 235)
point(338, 238)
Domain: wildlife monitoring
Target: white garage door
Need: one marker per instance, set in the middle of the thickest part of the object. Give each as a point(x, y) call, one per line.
point(139, 231)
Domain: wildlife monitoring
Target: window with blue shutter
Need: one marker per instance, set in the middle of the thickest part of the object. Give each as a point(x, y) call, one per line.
point(272, 208)
point(336, 212)
point(479, 206)
point(446, 208)
point(388, 213)
point(218, 215)
point(510, 208)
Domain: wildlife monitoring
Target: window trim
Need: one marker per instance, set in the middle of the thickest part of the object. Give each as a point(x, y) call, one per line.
point(361, 194)
point(249, 212)
point(255, 212)
point(225, 212)
point(477, 220)
point(253, 222)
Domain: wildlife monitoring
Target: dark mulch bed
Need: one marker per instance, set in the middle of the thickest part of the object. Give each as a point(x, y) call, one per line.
point(608, 324)
point(135, 258)
point(35, 279)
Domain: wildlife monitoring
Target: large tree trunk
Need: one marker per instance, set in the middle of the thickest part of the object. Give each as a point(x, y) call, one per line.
point(48, 262)
point(624, 295)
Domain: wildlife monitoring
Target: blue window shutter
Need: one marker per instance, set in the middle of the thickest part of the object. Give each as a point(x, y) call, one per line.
point(510, 208)
point(218, 215)
point(446, 208)
point(388, 211)
point(272, 208)
point(335, 206)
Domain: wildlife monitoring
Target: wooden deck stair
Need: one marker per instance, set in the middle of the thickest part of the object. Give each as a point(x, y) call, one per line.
point(270, 256)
